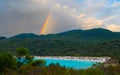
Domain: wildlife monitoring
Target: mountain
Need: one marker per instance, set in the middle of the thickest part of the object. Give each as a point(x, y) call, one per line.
point(2, 38)
point(92, 34)
point(94, 42)
point(25, 35)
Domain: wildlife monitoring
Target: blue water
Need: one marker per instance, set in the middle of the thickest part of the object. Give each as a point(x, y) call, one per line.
point(75, 64)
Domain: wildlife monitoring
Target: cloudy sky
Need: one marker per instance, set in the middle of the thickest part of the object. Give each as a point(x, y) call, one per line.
point(26, 16)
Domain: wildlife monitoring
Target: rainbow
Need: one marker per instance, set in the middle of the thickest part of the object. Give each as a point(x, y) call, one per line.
point(42, 31)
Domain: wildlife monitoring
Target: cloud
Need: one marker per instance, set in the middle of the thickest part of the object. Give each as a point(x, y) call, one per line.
point(26, 16)
point(113, 27)
point(116, 4)
point(89, 23)
point(81, 16)
point(110, 18)
point(20, 16)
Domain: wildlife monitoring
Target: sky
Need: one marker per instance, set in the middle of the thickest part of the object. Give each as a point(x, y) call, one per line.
point(55, 16)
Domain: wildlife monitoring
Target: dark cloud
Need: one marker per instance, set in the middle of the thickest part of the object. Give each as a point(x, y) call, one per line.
point(24, 16)
point(21, 16)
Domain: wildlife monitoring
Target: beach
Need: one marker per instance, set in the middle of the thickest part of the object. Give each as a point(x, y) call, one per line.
point(93, 59)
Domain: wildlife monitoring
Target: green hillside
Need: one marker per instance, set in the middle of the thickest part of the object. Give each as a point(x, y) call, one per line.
point(94, 42)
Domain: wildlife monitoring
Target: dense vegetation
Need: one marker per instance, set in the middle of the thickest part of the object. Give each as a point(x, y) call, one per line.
point(2, 38)
point(94, 42)
point(11, 65)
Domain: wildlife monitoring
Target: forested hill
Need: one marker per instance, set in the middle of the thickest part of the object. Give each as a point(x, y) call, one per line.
point(93, 34)
point(2, 38)
point(94, 42)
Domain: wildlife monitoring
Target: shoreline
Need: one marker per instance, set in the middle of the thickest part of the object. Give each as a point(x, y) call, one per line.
point(92, 59)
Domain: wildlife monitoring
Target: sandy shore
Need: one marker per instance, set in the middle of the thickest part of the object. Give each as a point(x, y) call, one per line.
point(93, 59)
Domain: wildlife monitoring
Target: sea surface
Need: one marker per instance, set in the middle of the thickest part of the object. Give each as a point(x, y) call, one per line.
point(75, 64)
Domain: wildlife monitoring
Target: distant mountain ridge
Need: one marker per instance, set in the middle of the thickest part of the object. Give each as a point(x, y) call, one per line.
point(92, 33)
point(93, 42)
point(26, 35)
point(2, 38)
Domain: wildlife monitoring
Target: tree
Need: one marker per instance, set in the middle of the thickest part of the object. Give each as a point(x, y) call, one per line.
point(23, 56)
point(21, 52)
point(7, 61)
point(39, 63)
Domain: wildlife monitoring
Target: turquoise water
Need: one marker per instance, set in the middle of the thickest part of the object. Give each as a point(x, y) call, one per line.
point(75, 64)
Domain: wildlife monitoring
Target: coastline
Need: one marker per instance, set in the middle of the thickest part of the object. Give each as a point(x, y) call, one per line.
point(92, 59)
